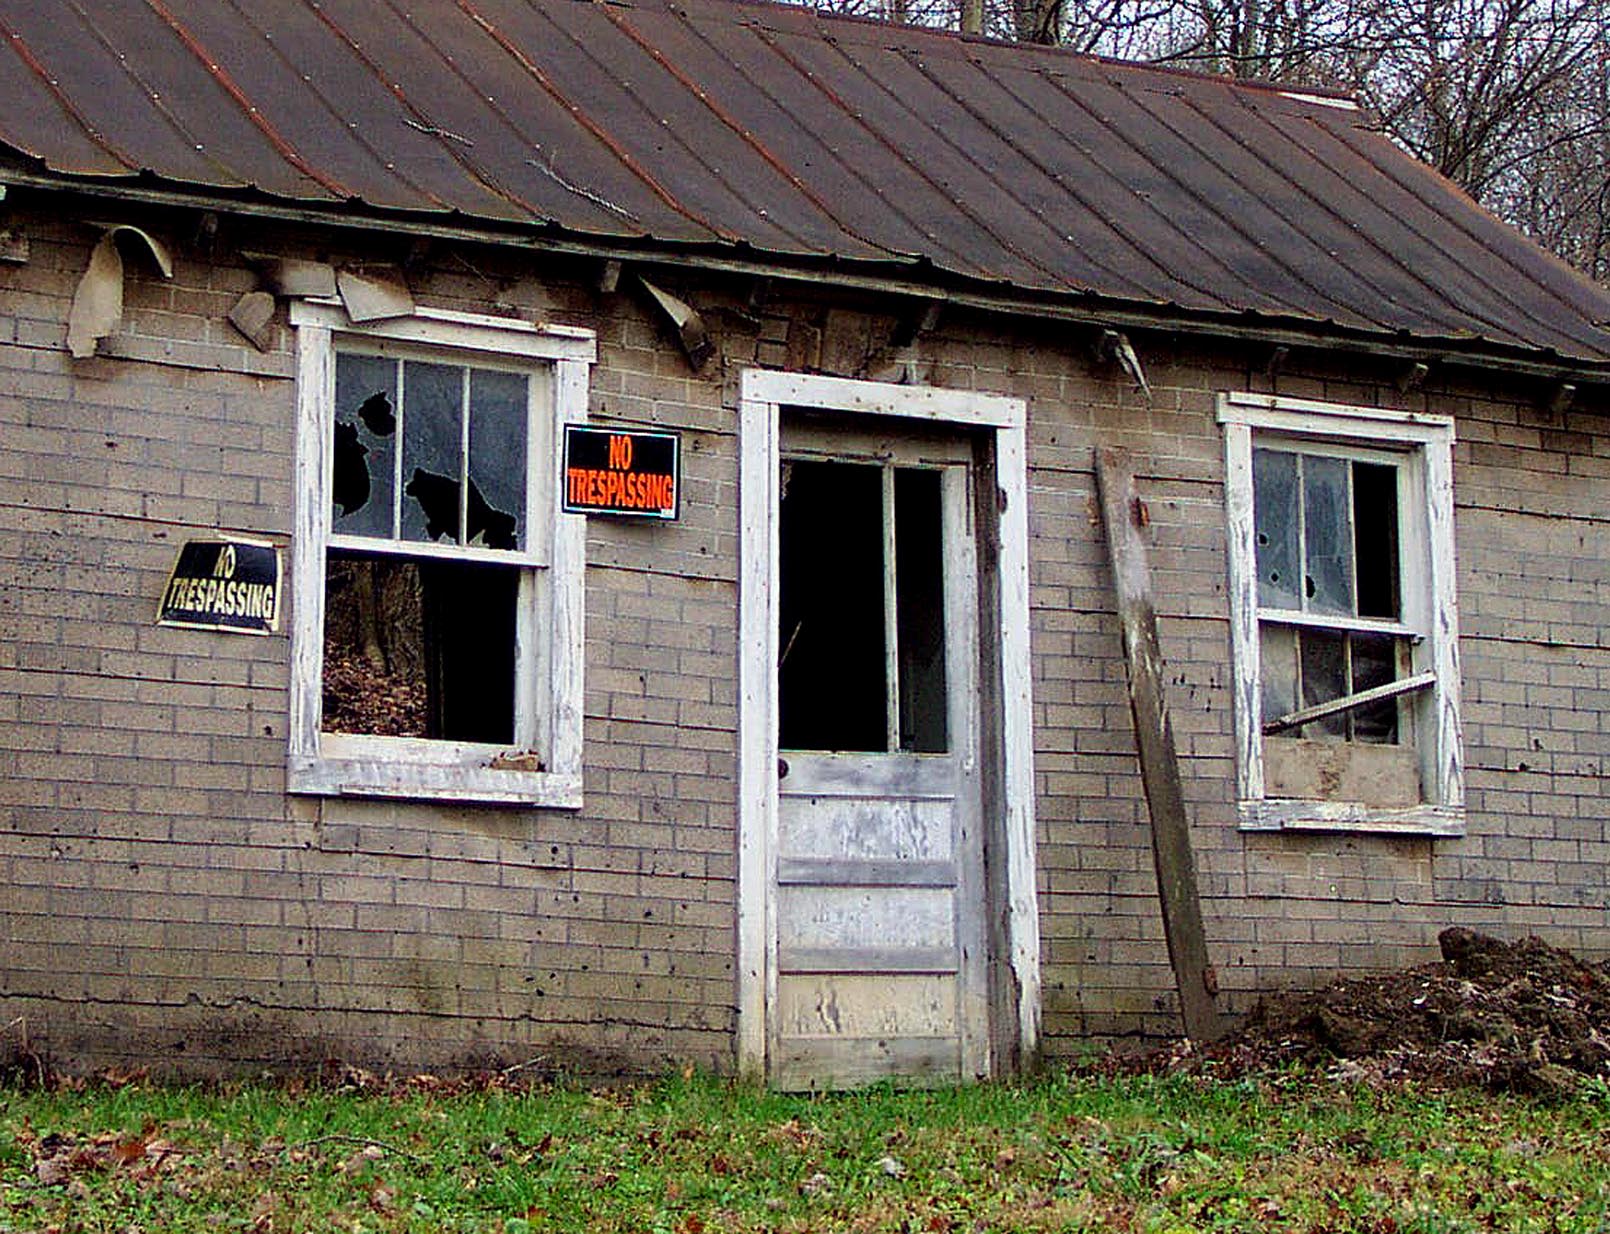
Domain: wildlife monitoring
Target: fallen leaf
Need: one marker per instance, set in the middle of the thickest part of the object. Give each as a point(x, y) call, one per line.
point(126, 1151)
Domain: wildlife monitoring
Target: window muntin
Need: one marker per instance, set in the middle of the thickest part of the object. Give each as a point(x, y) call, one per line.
point(1340, 529)
point(457, 603)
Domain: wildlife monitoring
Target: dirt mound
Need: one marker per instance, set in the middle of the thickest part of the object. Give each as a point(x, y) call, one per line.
point(1520, 1016)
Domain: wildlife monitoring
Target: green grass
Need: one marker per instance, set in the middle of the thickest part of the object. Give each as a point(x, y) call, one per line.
point(685, 1156)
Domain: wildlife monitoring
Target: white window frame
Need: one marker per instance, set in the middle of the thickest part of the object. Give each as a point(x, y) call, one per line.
point(1424, 445)
point(549, 645)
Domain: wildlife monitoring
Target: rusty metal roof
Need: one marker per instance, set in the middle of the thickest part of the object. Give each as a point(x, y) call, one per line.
point(774, 135)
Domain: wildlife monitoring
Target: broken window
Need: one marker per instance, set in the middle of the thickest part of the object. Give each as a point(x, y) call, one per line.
point(1328, 552)
point(862, 634)
point(448, 647)
point(424, 453)
point(419, 648)
point(1342, 614)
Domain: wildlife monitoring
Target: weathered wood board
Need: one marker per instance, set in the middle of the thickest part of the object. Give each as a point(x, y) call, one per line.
point(1122, 512)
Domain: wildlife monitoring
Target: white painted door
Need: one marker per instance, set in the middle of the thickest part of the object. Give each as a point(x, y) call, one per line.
point(879, 952)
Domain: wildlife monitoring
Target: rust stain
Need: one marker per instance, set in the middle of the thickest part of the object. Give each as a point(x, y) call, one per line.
point(597, 130)
point(53, 85)
point(275, 138)
point(729, 120)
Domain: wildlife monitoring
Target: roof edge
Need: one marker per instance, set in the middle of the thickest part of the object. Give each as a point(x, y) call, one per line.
point(880, 29)
point(1087, 310)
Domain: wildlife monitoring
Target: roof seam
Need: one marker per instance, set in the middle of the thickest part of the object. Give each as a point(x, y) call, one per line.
point(38, 68)
point(731, 122)
point(900, 155)
point(284, 148)
point(593, 127)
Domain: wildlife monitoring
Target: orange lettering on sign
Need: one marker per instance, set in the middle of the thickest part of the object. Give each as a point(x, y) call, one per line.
point(621, 490)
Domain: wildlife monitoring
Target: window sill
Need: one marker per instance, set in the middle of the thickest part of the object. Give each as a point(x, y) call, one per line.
point(1291, 814)
point(462, 774)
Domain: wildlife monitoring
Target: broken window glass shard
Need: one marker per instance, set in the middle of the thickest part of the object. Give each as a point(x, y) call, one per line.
point(1327, 535)
point(362, 483)
point(377, 415)
point(499, 409)
point(435, 505)
point(349, 485)
point(432, 450)
point(1275, 508)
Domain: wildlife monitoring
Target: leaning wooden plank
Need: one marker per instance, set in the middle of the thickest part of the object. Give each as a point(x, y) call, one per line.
point(1122, 511)
point(1351, 702)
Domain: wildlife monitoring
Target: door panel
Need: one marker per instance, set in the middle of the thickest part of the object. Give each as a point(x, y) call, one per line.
point(878, 944)
point(891, 917)
point(849, 828)
point(845, 1006)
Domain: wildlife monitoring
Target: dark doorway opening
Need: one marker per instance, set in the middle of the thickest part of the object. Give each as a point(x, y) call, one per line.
point(862, 613)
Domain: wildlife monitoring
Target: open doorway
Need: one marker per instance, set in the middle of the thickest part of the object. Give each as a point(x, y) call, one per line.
point(884, 747)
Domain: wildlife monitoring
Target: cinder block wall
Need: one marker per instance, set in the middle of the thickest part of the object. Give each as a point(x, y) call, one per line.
point(164, 901)
point(1294, 910)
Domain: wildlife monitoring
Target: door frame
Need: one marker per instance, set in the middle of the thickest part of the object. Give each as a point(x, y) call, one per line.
point(1008, 806)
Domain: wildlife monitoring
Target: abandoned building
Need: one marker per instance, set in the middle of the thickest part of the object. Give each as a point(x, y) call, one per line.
point(624, 533)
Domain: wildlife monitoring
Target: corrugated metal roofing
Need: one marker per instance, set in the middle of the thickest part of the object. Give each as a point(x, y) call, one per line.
point(775, 134)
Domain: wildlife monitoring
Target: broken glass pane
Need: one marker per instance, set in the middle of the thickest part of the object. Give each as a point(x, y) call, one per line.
point(498, 404)
point(1328, 536)
point(1374, 664)
point(1274, 504)
point(920, 608)
point(1375, 538)
point(432, 445)
point(1323, 656)
point(361, 482)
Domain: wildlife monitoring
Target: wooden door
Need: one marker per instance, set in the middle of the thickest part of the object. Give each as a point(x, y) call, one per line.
point(879, 892)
